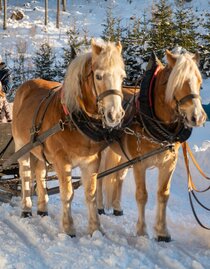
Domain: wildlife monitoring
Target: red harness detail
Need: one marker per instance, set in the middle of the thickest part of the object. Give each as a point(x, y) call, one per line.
point(137, 102)
point(65, 108)
point(151, 85)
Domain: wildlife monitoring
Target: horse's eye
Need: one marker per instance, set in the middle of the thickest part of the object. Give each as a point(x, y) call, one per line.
point(98, 77)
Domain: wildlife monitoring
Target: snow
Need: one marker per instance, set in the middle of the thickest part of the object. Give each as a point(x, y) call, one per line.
point(39, 242)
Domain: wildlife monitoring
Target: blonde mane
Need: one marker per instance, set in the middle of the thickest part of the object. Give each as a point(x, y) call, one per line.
point(71, 85)
point(108, 58)
point(184, 69)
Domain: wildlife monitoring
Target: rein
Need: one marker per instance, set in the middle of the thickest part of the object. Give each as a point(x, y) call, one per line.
point(191, 186)
point(130, 162)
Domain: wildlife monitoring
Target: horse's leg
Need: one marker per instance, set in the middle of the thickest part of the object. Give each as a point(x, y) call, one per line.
point(99, 196)
point(89, 177)
point(141, 197)
point(63, 170)
point(40, 172)
point(166, 170)
point(116, 202)
point(25, 175)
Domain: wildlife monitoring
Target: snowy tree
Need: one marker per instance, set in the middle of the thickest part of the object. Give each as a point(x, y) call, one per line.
point(44, 62)
point(161, 34)
point(134, 52)
point(112, 27)
point(185, 25)
point(18, 71)
point(205, 47)
point(74, 45)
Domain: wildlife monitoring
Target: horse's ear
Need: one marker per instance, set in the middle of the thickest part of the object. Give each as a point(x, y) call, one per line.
point(119, 46)
point(196, 57)
point(95, 47)
point(170, 58)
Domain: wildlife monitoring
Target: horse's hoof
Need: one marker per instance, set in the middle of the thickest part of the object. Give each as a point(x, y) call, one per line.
point(101, 212)
point(26, 214)
point(42, 213)
point(117, 212)
point(162, 238)
point(72, 235)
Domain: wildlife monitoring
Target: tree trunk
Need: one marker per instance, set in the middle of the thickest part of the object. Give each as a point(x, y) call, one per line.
point(0, 4)
point(46, 13)
point(58, 14)
point(64, 5)
point(5, 15)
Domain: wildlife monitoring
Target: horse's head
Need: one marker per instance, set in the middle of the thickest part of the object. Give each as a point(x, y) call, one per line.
point(183, 88)
point(108, 73)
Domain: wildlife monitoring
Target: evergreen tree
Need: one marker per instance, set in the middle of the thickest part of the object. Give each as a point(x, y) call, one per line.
point(18, 74)
point(161, 34)
point(113, 30)
point(185, 25)
point(44, 62)
point(205, 47)
point(18, 71)
point(75, 44)
point(133, 53)
point(108, 33)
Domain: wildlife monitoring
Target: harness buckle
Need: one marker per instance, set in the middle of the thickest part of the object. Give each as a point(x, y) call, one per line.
point(62, 124)
point(128, 131)
point(35, 130)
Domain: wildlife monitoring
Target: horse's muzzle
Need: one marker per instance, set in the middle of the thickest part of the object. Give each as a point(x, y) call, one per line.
point(114, 118)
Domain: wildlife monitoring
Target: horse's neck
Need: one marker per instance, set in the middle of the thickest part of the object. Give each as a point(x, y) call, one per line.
point(164, 111)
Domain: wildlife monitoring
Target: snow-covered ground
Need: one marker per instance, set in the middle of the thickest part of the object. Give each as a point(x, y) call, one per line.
point(38, 243)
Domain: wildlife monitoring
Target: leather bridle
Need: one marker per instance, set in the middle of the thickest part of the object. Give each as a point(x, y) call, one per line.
point(186, 98)
point(101, 96)
point(183, 100)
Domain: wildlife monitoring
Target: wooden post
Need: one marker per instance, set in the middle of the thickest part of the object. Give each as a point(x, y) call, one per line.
point(5, 15)
point(58, 14)
point(64, 5)
point(46, 13)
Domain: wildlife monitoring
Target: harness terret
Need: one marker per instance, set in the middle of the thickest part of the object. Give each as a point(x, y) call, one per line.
point(160, 132)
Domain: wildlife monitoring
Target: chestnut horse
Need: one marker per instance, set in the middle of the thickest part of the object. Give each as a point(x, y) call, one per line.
point(176, 98)
point(92, 84)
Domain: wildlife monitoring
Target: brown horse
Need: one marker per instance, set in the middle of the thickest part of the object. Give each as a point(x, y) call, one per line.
point(93, 85)
point(176, 99)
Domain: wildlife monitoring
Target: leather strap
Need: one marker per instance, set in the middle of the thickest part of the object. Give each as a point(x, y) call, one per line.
point(109, 92)
point(191, 186)
point(32, 144)
point(187, 98)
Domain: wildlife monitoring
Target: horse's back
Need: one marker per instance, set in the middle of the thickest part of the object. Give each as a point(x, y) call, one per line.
point(33, 88)
point(26, 101)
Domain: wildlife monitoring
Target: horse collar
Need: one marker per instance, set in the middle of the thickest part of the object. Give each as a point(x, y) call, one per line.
point(155, 128)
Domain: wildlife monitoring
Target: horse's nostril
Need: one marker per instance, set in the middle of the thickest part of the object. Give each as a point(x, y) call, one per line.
point(193, 119)
point(110, 116)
